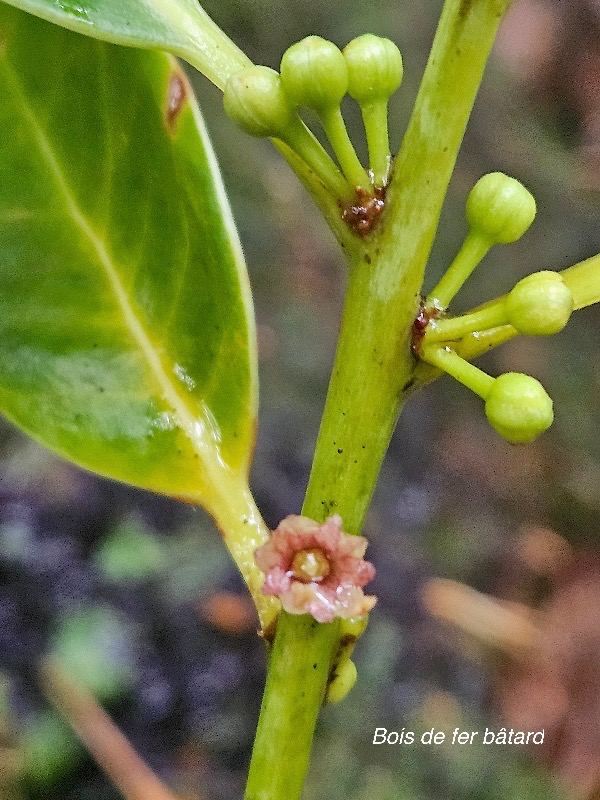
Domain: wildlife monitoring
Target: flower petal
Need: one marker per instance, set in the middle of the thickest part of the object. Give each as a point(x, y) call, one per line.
point(340, 593)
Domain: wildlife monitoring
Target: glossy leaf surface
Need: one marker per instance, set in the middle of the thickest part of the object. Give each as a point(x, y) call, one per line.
point(180, 26)
point(126, 327)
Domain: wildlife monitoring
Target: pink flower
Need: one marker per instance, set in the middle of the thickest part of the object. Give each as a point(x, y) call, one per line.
point(316, 569)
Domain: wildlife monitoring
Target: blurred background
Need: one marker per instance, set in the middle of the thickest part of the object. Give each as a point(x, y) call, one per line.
point(488, 568)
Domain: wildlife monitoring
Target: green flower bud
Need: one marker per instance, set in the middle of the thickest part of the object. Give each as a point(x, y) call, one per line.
point(540, 304)
point(374, 68)
point(518, 407)
point(255, 100)
point(314, 74)
point(500, 208)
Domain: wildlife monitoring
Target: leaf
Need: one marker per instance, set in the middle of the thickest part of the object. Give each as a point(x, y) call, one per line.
point(180, 26)
point(126, 325)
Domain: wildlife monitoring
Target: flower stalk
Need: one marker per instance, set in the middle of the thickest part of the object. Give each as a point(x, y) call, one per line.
point(314, 74)
point(374, 74)
point(583, 281)
point(499, 211)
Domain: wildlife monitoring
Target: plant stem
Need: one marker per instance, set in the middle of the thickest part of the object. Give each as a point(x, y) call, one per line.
point(452, 328)
point(244, 530)
point(468, 257)
point(291, 703)
point(361, 410)
point(463, 371)
point(583, 280)
point(322, 196)
point(208, 48)
point(375, 120)
point(372, 374)
point(308, 147)
point(463, 40)
point(335, 128)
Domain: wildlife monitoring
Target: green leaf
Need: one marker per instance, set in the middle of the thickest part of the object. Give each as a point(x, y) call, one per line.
point(126, 325)
point(180, 26)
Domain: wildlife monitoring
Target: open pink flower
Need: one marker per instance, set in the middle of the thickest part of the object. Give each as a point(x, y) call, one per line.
point(316, 569)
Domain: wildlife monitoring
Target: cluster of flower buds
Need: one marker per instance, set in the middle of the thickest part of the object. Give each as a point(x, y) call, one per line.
point(316, 74)
point(499, 211)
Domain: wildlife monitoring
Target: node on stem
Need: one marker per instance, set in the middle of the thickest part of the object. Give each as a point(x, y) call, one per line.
point(363, 211)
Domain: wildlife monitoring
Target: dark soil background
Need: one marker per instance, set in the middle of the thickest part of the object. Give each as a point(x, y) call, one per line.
point(135, 593)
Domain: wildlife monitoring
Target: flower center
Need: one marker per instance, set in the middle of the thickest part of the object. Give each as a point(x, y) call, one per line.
point(310, 565)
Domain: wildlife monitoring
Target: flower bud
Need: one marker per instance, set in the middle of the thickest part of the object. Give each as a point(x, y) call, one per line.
point(500, 208)
point(374, 68)
point(518, 407)
point(539, 304)
point(314, 74)
point(255, 100)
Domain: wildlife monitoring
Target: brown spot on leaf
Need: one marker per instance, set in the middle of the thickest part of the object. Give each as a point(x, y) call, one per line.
point(176, 96)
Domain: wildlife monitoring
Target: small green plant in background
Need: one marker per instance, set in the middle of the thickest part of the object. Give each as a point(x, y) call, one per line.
point(128, 338)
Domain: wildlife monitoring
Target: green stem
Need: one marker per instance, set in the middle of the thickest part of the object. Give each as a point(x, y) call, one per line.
point(308, 147)
point(372, 373)
point(336, 131)
point(322, 196)
point(453, 328)
point(468, 257)
point(480, 342)
point(298, 671)
point(373, 362)
point(469, 375)
point(208, 48)
point(232, 506)
point(583, 280)
point(244, 530)
point(375, 119)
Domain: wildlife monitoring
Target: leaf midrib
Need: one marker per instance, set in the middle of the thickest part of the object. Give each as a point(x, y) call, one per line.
point(200, 427)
